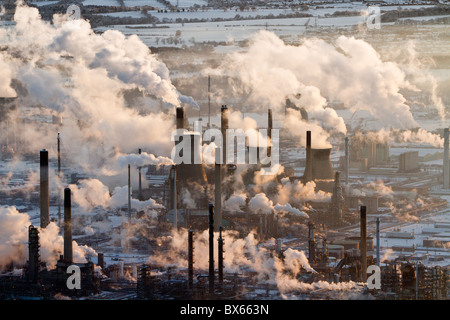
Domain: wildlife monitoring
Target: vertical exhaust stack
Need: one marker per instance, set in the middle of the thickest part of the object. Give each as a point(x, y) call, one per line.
point(337, 200)
point(269, 132)
point(220, 252)
point(363, 243)
point(33, 253)
point(190, 259)
point(309, 165)
point(446, 163)
point(209, 101)
point(101, 260)
point(218, 190)
point(211, 248)
point(180, 118)
point(347, 160)
point(175, 204)
point(44, 188)
point(140, 180)
point(68, 254)
point(129, 194)
point(311, 242)
point(59, 176)
point(224, 112)
point(378, 242)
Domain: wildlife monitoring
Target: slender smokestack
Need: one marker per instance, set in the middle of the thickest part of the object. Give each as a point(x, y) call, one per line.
point(59, 176)
point(220, 253)
point(101, 260)
point(363, 243)
point(308, 168)
point(224, 126)
point(311, 242)
point(191, 258)
point(140, 180)
point(129, 194)
point(44, 189)
point(211, 248)
point(68, 256)
point(209, 101)
point(175, 221)
point(446, 163)
point(347, 161)
point(218, 189)
point(279, 247)
point(33, 253)
point(378, 242)
point(269, 132)
point(180, 118)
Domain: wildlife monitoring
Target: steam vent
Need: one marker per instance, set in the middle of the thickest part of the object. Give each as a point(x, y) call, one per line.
point(285, 152)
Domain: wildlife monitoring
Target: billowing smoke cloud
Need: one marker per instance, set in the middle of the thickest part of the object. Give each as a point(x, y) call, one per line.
point(261, 204)
point(289, 209)
point(244, 254)
point(370, 189)
point(84, 77)
point(139, 160)
point(92, 193)
point(348, 70)
point(400, 136)
point(5, 80)
point(14, 241)
point(235, 202)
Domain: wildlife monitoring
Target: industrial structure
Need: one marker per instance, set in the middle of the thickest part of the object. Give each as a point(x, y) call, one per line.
point(341, 235)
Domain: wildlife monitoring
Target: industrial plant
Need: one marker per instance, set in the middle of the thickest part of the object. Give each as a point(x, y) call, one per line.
point(114, 185)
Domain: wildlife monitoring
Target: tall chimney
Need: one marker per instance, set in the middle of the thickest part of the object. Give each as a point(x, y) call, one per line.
point(129, 194)
point(220, 252)
point(59, 176)
point(446, 159)
point(311, 242)
point(191, 258)
point(68, 256)
point(337, 200)
point(308, 168)
point(140, 180)
point(211, 248)
point(269, 132)
point(101, 260)
point(363, 243)
point(44, 189)
point(175, 220)
point(224, 126)
point(180, 118)
point(33, 253)
point(378, 241)
point(218, 190)
point(347, 161)
point(209, 101)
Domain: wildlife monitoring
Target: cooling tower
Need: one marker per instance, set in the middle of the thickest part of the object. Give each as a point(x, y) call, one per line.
point(191, 170)
point(320, 165)
point(318, 168)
